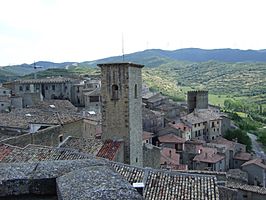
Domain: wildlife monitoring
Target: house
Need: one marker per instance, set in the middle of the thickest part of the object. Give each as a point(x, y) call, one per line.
point(209, 159)
point(229, 149)
point(185, 131)
point(172, 141)
point(205, 124)
point(256, 169)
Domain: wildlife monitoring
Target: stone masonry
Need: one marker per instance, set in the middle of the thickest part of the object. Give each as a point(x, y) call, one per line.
point(121, 107)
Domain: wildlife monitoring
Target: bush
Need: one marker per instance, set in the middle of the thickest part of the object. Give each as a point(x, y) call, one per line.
point(241, 136)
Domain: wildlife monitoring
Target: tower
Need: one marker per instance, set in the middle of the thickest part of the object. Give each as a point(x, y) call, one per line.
point(197, 99)
point(122, 108)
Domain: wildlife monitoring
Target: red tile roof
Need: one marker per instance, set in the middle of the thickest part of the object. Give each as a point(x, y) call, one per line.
point(170, 138)
point(109, 149)
point(208, 155)
point(5, 150)
point(180, 126)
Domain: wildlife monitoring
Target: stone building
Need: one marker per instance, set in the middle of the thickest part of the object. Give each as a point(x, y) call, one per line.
point(34, 90)
point(256, 169)
point(5, 101)
point(205, 124)
point(197, 100)
point(121, 107)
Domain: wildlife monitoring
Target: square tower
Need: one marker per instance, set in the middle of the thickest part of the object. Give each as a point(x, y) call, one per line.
point(122, 108)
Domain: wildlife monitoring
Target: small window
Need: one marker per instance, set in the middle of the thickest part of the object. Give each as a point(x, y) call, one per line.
point(53, 87)
point(27, 87)
point(20, 88)
point(136, 91)
point(46, 87)
point(136, 160)
point(114, 92)
point(198, 124)
point(60, 138)
point(4, 92)
point(2, 104)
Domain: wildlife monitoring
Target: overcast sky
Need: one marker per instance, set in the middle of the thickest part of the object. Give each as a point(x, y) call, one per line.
point(83, 30)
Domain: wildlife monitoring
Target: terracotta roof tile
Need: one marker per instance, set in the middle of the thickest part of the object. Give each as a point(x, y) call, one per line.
point(109, 150)
point(243, 156)
point(170, 138)
point(208, 155)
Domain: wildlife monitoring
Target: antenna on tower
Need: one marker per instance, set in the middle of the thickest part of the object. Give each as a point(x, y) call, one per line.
point(123, 53)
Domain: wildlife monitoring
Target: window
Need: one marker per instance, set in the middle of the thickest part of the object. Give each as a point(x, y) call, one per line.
point(4, 92)
point(60, 138)
point(27, 87)
point(114, 92)
point(94, 98)
point(212, 124)
point(198, 124)
point(2, 104)
point(217, 122)
point(46, 87)
point(53, 87)
point(136, 160)
point(20, 88)
point(136, 91)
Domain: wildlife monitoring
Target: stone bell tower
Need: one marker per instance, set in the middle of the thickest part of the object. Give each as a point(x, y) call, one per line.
point(122, 108)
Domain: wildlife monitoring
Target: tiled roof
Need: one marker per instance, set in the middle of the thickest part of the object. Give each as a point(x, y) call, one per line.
point(200, 116)
point(246, 187)
point(243, 156)
point(90, 146)
point(56, 105)
point(21, 118)
point(160, 184)
point(208, 155)
point(180, 126)
point(44, 80)
point(256, 161)
point(32, 153)
point(5, 150)
point(220, 140)
point(170, 138)
point(109, 149)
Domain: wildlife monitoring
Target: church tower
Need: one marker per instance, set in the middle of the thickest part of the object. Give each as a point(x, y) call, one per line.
point(122, 108)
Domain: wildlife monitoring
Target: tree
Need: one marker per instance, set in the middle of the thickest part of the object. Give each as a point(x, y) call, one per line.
point(241, 136)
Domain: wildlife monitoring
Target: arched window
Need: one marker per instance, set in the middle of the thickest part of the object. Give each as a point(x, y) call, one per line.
point(114, 92)
point(136, 91)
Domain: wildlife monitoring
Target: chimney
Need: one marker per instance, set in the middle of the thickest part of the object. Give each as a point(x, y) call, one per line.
point(170, 153)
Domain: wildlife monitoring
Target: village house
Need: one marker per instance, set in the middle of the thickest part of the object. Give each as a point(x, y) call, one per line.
point(256, 169)
point(204, 124)
point(209, 159)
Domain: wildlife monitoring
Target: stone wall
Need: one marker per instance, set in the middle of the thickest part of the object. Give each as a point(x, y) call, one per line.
point(227, 193)
point(48, 136)
point(151, 156)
